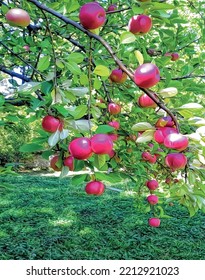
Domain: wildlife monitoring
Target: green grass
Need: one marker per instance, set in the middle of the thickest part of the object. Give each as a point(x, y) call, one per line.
point(47, 218)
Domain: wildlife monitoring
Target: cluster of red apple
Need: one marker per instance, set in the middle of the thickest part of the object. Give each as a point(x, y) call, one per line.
point(153, 199)
point(82, 148)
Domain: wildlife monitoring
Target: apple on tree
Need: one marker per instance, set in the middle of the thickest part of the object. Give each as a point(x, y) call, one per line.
point(164, 121)
point(53, 162)
point(101, 144)
point(114, 124)
point(95, 188)
point(80, 148)
point(152, 199)
point(112, 8)
point(174, 56)
point(27, 48)
point(140, 24)
point(148, 157)
point(92, 15)
point(114, 108)
point(176, 141)
point(152, 184)
point(18, 17)
point(145, 101)
point(176, 161)
point(161, 133)
point(118, 76)
point(146, 75)
point(69, 162)
point(51, 124)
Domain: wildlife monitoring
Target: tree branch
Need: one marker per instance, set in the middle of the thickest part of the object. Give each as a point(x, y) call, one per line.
point(14, 74)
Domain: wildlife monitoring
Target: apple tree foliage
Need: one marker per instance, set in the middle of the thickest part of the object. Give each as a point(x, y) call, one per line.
point(65, 71)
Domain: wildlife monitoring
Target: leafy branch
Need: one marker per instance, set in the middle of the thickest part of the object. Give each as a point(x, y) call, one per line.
point(149, 92)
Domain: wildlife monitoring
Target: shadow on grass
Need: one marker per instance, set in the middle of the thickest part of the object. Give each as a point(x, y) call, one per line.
point(47, 218)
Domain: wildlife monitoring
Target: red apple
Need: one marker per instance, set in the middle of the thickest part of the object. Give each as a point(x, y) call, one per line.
point(154, 222)
point(140, 24)
point(175, 56)
point(146, 102)
point(53, 162)
point(18, 17)
point(152, 199)
point(92, 15)
point(95, 188)
point(176, 161)
point(114, 124)
point(146, 156)
point(69, 162)
point(168, 181)
point(153, 158)
point(161, 133)
point(112, 8)
point(112, 154)
point(118, 76)
point(101, 144)
point(113, 136)
point(51, 124)
point(146, 75)
point(165, 121)
point(176, 180)
point(152, 184)
point(80, 148)
point(27, 48)
point(176, 141)
point(114, 108)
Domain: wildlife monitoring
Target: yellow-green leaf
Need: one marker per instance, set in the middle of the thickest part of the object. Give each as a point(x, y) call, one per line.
point(127, 37)
point(102, 70)
point(139, 57)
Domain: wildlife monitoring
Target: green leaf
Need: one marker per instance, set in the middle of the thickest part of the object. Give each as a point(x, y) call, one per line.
point(76, 57)
point(78, 112)
point(78, 179)
point(30, 148)
point(29, 87)
point(137, 10)
point(2, 100)
point(97, 83)
point(142, 126)
point(99, 161)
point(73, 67)
point(54, 138)
point(79, 91)
point(47, 154)
point(104, 129)
point(191, 177)
point(60, 64)
point(44, 63)
point(101, 70)
point(146, 136)
point(64, 172)
point(162, 6)
point(127, 37)
point(111, 177)
point(84, 79)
